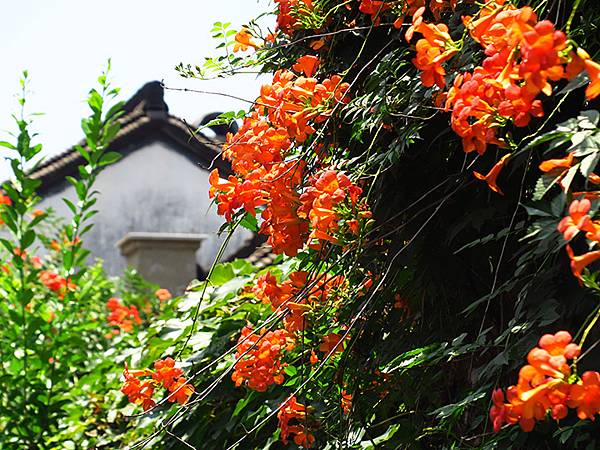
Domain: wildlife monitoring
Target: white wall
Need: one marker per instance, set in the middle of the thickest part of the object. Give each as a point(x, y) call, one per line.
point(151, 189)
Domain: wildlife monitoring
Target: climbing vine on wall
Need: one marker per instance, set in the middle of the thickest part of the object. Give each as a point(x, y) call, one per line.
point(426, 169)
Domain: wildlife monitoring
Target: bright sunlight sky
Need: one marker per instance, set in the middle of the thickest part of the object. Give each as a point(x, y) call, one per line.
point(64, 44)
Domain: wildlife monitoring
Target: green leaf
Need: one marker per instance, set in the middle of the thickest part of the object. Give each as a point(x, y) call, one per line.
point(109, 158)
point(8, 245)
point(95, 101)
point(372, 444)
point(27, 239)
point(537, 212)
point(221, 274)
point(588, 120)
point(70, 204)
point(588, 164)
point(550, 136)
point(250, 222)
point(110, 131)
point(37, 219)
point(242, 267)
point(412, 358)
point(290, 370)
point(457, 408)
point(291, 381)
point(83, 152)
point(115, 111)
point(242, 403)
point(78, 185)
point(543, 185)
point(577, 82)
point(568, 178)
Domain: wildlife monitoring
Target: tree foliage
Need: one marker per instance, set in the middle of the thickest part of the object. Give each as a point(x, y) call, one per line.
point(426, 169)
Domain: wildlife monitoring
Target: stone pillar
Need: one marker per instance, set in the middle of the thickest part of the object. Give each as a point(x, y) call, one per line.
point(167, 259)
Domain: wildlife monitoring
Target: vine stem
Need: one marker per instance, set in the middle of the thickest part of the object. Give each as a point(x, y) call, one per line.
point(572, 16)
point(589, 327)
point(206, 283)
point(585, 335)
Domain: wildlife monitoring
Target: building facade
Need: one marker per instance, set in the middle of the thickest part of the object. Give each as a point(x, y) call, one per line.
point(156, 195)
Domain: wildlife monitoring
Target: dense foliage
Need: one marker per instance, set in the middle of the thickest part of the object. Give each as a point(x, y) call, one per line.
point(423, 309)
point(425, 169)
point(62, 327)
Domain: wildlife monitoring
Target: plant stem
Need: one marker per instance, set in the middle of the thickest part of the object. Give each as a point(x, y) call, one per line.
point(572, 16)
point(585, 334)
point(589, 327)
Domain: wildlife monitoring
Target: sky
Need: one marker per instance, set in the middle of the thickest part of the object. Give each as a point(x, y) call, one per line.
point(64, 45)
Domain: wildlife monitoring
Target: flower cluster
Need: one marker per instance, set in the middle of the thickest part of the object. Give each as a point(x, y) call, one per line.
point(122, 316)
point(320, 201)
point(296, 295)
point(163, 294)
point(332, 343)
point(376, 8)
point(302, 201)
point(522, 57)
point(4, 200)
point(502, 89)
point(55, 282)
point(346, 402)
point(544, 386)
point(292, 411)
point(289, 11)
point(435, 48)
point(140, 385)
point(579, 220)
point(286, 172)
point(266, 177)
point(282, 296)
point(139, 391)
point(258, 358)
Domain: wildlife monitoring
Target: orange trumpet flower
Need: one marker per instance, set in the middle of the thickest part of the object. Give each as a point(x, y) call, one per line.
point(307, 65)
point(593, 70)
point(244, 40)
point(492, 175)
point(578, 263)
point(551, 164)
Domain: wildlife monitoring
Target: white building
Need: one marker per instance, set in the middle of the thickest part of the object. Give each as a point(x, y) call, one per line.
point(156, 195)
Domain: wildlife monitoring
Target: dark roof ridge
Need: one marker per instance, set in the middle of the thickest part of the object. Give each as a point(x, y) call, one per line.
point(150, 97)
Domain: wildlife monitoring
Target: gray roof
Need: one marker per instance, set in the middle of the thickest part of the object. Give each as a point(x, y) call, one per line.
point(146, 118)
